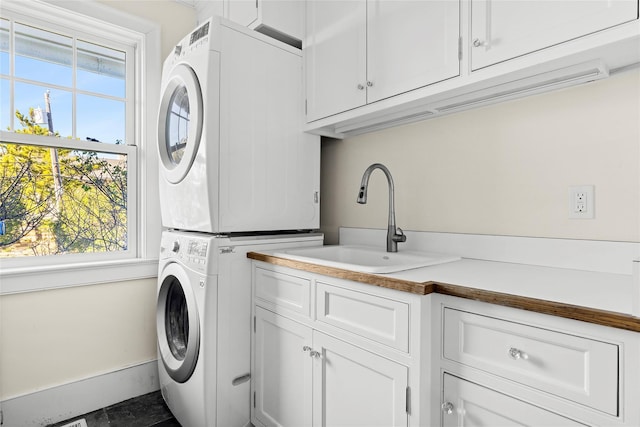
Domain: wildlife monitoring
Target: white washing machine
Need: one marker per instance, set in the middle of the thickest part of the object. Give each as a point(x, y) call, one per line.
point(204, 323)
point(234, 157)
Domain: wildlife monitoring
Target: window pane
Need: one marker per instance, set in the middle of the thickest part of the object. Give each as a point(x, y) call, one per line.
point(83, 208)
point(5, 109)
point(100, 119)
point(177, 124)
point(43, 56)
point(31, 98)
point(4, 47)
point(100, 69)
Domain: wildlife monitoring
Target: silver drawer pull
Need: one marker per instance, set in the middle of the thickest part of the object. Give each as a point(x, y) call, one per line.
point(306, 348)
point(241, 379)
point(447, 408)
point(315, 354)
point(516, 354)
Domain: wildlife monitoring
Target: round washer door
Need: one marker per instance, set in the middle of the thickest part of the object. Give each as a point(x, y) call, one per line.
point(179, 123)
point(178, 323)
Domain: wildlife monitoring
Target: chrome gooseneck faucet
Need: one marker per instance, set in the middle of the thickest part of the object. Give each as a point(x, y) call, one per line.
point(394, 235)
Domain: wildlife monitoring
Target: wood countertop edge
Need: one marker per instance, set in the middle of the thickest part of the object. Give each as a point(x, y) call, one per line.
point(339, 273)
point(559, 309)
point(569, 311)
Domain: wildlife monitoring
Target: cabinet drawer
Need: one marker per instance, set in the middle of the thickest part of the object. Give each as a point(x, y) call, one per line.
point(380, 319)
point(285, 291)
point(468, 404)
point(576, 368)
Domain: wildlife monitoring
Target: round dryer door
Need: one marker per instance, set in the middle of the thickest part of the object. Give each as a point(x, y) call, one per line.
point(179, 123)
point(178, 323)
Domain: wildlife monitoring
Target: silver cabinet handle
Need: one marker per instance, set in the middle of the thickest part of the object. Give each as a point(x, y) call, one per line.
point(360, 86)
point(241, 379)
point(447, 408)
point(315, 354)
point(478, 43)
point(306, 348)
point(370, 84)
point(517, 354)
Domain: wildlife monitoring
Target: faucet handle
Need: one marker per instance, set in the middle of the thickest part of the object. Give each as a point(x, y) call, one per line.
point(399, 235)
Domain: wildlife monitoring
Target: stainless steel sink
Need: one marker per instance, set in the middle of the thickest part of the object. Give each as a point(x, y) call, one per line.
point(365, 259)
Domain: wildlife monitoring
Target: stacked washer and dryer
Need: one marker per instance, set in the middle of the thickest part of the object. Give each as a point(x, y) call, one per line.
point(237, 174)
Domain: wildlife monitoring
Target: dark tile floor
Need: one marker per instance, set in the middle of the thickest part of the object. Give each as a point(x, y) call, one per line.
point(148, 410)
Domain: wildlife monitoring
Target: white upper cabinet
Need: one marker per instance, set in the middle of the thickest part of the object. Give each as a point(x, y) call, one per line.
point(372, 64)
point(363, 51)
point(505, 29)
point(410, 44)
point(335, 56)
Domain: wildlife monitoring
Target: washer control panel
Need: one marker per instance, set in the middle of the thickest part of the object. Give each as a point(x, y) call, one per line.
point(190, 250)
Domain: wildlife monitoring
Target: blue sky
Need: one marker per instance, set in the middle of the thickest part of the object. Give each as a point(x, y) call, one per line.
point(97, 117)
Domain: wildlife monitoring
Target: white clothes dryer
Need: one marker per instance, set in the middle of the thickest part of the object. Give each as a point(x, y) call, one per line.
point(234, 157)
point(204, 323)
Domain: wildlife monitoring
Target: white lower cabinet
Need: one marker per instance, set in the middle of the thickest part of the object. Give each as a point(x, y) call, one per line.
point(349, 386)
point(329, 352)
point(354, 387)
point(467, 404)
point(500, 366)
point(577, 368)
point(282, 375)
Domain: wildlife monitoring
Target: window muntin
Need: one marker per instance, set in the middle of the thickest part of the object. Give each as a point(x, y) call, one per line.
point(89, 85)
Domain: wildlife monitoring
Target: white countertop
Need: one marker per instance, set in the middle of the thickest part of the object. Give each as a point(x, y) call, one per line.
point(603, 291)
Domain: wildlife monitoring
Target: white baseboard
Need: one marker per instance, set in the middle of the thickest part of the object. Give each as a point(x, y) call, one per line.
point(589, 255)
point(80, 397)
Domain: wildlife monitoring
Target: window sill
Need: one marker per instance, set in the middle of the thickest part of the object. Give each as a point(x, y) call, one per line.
point(30, 279)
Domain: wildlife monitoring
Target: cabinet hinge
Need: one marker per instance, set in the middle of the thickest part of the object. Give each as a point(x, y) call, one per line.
point(459, 48)
point(254, 326)
point(254, 399)
point(408, 397)
point(256, 4)
point(305, 107)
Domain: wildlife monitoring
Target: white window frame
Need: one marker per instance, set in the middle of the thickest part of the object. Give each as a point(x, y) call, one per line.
point(94, 20)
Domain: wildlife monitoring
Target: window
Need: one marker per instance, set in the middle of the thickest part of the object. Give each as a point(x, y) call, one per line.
point(71, 157)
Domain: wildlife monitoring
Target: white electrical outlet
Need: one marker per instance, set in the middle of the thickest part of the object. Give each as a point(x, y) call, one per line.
point(581, 202)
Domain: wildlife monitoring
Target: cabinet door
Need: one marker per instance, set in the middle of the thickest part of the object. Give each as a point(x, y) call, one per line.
point(410, 44)
point(505, 29)
point(244, 12)
point(467, 404)
point(335, 56)
point(353, 387)
point(282, 371)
